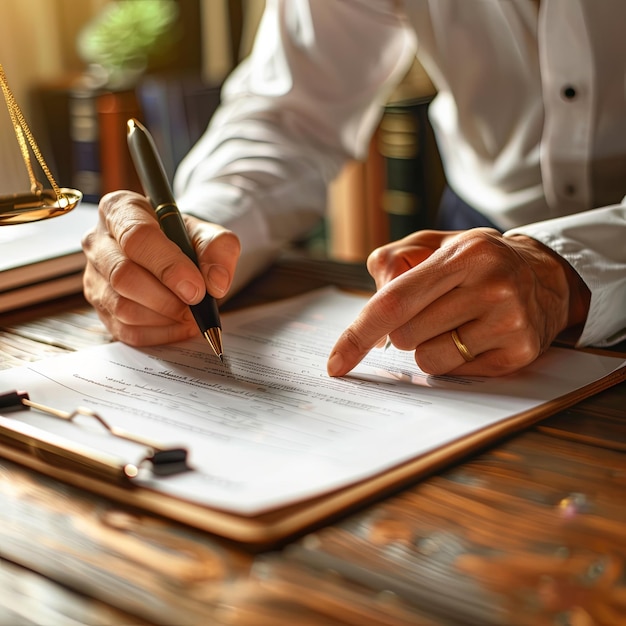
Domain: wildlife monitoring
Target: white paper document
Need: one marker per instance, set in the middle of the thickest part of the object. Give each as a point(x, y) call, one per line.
point(270, 427)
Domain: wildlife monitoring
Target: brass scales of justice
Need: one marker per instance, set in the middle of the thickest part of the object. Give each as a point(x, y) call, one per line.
point(39, 203)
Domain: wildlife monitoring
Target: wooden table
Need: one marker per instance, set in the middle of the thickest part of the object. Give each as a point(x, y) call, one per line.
point(531, 531)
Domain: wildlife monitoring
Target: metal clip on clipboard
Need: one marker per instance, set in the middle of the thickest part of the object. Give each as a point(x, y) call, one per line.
point(164, 460)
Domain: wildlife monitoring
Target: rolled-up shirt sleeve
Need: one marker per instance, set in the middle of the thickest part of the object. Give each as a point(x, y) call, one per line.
point(307, 99)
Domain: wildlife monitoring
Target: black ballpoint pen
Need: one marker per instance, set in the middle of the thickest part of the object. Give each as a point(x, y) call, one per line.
point(156, 186)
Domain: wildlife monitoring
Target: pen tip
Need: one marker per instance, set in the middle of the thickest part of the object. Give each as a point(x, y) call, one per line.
point(214, 337)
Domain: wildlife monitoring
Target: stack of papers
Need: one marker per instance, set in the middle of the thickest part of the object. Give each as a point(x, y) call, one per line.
point(43, 260)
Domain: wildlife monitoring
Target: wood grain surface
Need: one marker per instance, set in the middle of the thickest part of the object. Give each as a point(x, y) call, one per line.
point(530, 532)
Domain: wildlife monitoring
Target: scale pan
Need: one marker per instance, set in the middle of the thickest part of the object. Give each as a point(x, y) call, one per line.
point(20, 208)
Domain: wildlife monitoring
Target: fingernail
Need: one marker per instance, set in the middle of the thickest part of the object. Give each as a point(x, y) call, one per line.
point(218, 278)
point(187, 291)
point(334, 367)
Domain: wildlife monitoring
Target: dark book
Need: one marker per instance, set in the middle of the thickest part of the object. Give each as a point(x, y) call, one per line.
point(413, 171)
point(84, 128)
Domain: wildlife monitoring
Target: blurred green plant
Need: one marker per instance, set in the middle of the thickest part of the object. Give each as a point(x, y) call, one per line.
point(124, 35)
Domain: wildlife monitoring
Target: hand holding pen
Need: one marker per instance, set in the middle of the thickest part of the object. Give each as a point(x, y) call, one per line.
point(140, 282)
point(156, 185)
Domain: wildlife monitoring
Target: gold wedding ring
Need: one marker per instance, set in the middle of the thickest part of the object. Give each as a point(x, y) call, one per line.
point(462, 348)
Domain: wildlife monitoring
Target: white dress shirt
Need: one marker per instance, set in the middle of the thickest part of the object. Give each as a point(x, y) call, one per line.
point(530, 117)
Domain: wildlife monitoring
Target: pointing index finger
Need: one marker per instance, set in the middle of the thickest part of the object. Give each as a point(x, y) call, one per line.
point(383, 313)
point(390, 308)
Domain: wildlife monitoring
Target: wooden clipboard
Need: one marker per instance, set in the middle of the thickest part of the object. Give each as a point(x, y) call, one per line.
point(107, 477)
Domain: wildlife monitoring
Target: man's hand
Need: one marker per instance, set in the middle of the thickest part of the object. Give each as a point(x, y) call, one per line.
point(140, 283)
point(507, 298)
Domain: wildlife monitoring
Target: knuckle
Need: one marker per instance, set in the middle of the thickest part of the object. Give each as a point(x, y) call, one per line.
point(386, 259)
point(115, 313)
point(112, 198)
point(134, 235)
point(402, 339)
point(498, 290)
point(477, 241)
point(527, 351)
point(392, 304)
point(130, 335)
point(517, 321)
point(514, 321)
point(378, 258)
point(119, 308)
point(430, 362)
point(119, 272)
point(223, 243)
point(508, 360)
point(93, 289)
point(112, 305)
point(134, 240)
point(483, 246)
point(88, 240)
point(350, 338)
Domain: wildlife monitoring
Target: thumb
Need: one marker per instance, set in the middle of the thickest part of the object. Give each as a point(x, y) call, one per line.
point(218, 251)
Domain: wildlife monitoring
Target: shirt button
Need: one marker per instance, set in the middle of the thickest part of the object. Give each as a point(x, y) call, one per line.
point(568, 92)
point(570, 189)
